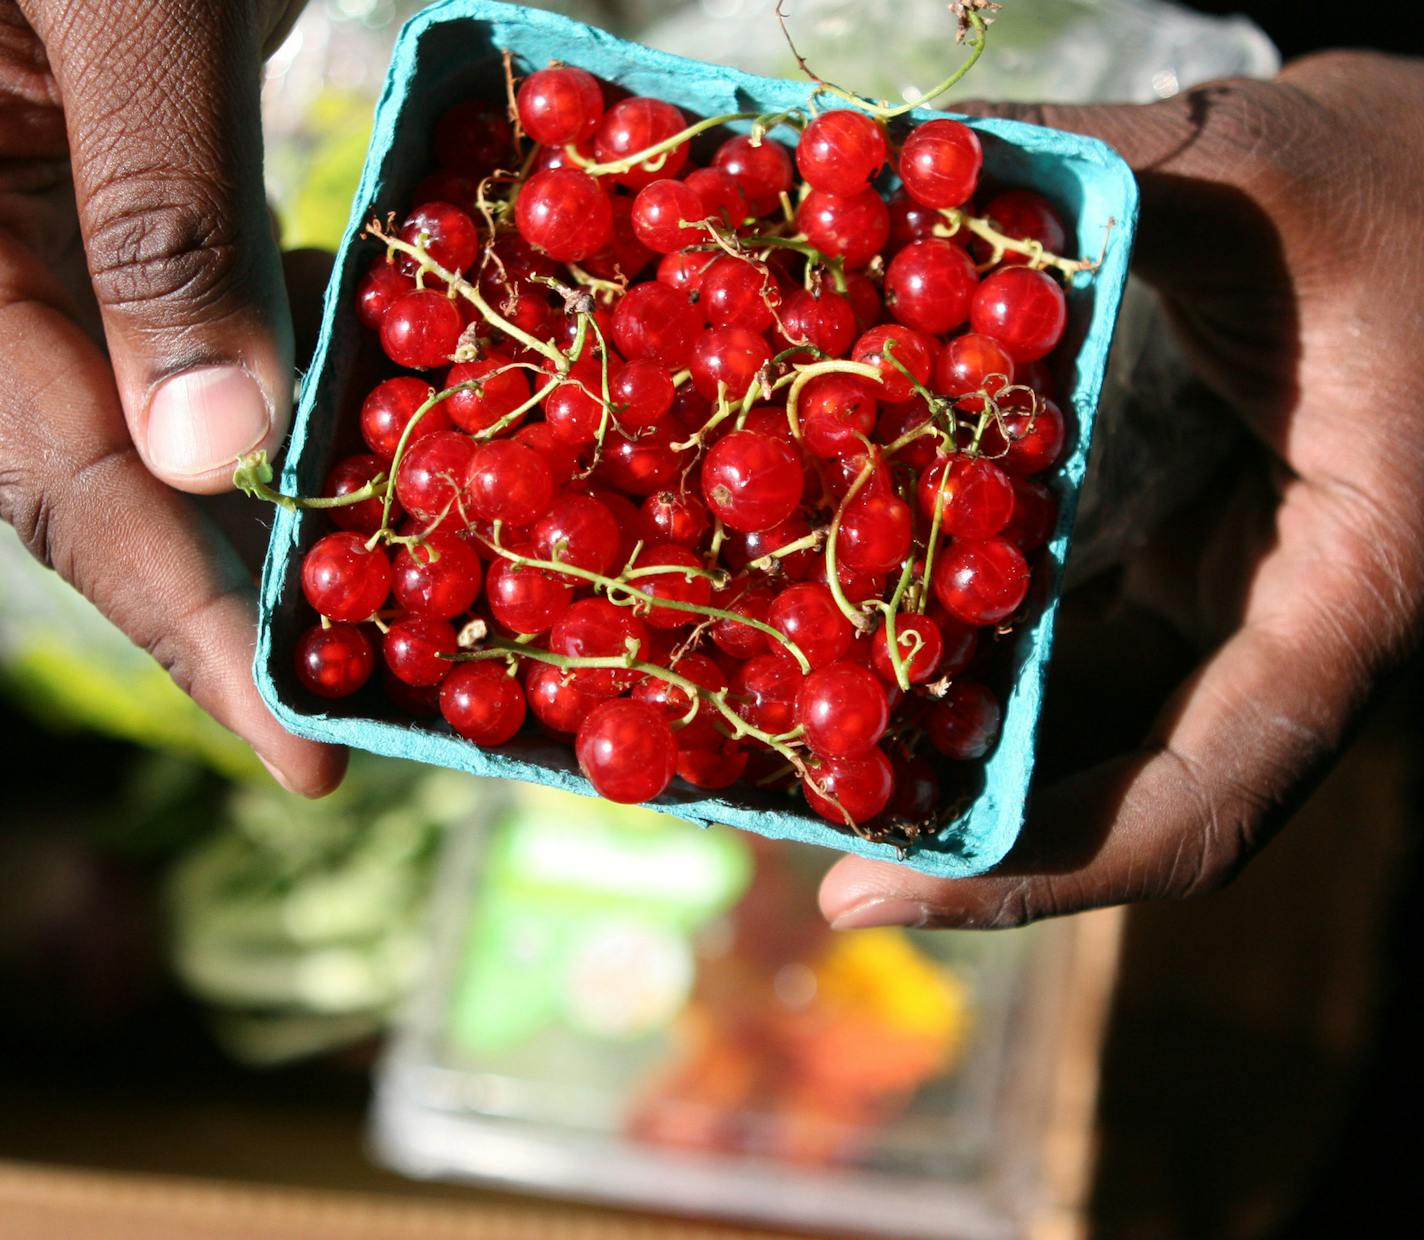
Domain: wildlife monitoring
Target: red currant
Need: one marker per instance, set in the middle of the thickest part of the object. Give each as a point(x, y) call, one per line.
point(978, 498)
point(580, 531)
point(854, 229)
point(921, 647)
point(560, 105)
point(431, 478)
point(762, 170)
point(1024, 310)
point(413, 648)
point(727, 355)
point(439, 578)
point(1024, 216)
point(656, 323)
point(483, 702)
point(526, 600)
point(350, 475)
point(334, 662)
point(940, 163)
point(421, 329)
point(930, 285)
point(807, 615)
point(674, 517)
point(381, 286)
point(841, 152)
point(556, 698)
point(843, 709)
point(343, 580)
point(981, 582)
point(751, 481)
point(1035, 515)
point(627, 751)
point(445, 232)
point(825, 321)
point(660, 211)
point(634, 125)
point(858, 788)
point(964, 724)
point(875, 533)
point(566, 213)
point(763, 692)
point(969, 364)
point(911, 348)
point(508, 482)
point(1029, 442)
point(595, 628)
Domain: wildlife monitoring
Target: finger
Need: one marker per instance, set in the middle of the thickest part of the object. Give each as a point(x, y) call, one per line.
point(161, 104)
point(73, 486)
point(1231, 754)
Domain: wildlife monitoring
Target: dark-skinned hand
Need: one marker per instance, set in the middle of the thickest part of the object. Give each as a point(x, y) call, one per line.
point(1280, 223)
point(146, 336)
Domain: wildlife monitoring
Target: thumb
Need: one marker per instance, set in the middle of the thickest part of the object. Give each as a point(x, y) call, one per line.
point(161, 104)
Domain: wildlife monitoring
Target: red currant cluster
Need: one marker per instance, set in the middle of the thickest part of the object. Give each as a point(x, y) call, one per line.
point(727, 471)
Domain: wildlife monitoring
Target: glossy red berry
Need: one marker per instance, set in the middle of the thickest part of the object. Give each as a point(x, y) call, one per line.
point(656, 323)
point(911, 348)
point(626, 750)
point(634, 125)
point(675, 702)
point(646, 462)
point(836, 411)
point(665, 215)
point(713, 767)
point(526, 600)
point(421, 329)
point(930, 285)
point(875, 533)
point(841, 152)
point(642, 394)
point(351, 475)
point(897, 421)
point(940, 163)
point(727, 355)
point(763, 692)
point(439, 578)
point(508, 482)
point(413, 647)
point(1024, 310)
point(975, 496)
point(674, 517)
point(843, 709)
point(858, 788)
point(913, 221)
point(1024, 216)
point(556, 699)
point(739, 293)
point(762, 170)
point(343, 580)
point(623, 257)
point(964, 723)
point(566, 213)
point(807, 615)
point(981, 582)
point(722, 198)
point(334, 662)
point(1029, 442)
point(853, 228)
point(381, 286)
point(742, 641)
point(430, 480)
point(825, 321)
point(751, 481)
point(578, 530)
point(921, 647)
point(560, 105)
point(445, 233)
point(561, 458)
point(497, 389)
point(972, 363)
point(483, 703)
point(596, 628)
point(677, 587)
point(387, 411)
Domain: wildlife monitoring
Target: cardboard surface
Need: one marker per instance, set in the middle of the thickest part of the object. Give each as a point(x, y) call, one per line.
point(453, 51)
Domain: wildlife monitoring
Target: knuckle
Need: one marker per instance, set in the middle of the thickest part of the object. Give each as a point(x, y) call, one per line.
point(1216, 839)
point(29, 511)
point(160, 247)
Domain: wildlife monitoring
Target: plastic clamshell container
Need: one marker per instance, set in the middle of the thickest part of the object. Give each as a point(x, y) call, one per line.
point(453, 51)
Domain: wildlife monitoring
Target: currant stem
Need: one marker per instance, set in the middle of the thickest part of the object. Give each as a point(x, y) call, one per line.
point(647, 155)
point(1001, 243)
point(833, 580)
point(804, 374)
point(254, 472)
point(612, 585)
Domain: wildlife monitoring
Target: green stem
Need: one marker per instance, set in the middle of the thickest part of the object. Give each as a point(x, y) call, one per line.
point(833, 580)
point(804, 375)
point(254, 473)
point(612, 585)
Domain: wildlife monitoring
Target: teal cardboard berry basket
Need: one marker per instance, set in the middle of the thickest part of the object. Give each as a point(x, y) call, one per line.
point(453, 51)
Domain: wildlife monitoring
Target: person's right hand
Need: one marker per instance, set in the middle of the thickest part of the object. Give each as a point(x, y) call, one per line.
point(1281, 223)
point(133, 216)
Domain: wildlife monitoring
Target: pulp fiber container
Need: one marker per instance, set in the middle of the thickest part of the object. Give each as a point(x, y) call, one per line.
point(452, 51)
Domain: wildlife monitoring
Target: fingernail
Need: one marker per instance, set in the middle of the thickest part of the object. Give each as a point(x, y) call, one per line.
point(880, 911)
point(204, 419)
point(277, 775)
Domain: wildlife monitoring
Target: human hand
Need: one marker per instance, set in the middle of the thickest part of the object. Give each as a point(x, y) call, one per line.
point(132, 215)
point(1280, 222)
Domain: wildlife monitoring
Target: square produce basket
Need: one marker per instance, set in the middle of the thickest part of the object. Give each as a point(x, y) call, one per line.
point(453, 51)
